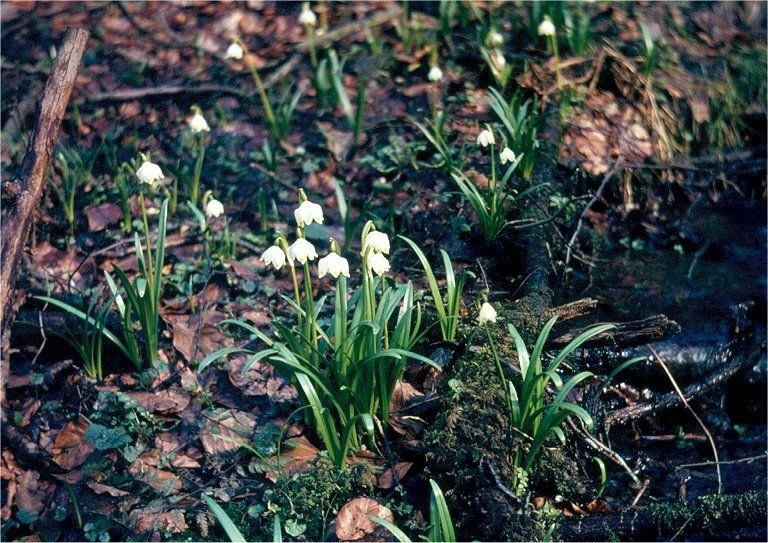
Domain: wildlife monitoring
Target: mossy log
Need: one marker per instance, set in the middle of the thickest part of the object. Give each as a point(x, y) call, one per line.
point(708, 517)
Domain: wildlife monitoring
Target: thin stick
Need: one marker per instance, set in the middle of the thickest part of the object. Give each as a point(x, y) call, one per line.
point(640, 492)
point(746, 460)
point(688, 406)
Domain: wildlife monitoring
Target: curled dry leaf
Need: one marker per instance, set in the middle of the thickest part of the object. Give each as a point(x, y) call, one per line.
point(352, 523)
point(71, 448)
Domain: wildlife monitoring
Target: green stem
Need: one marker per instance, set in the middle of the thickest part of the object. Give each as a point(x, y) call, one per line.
point(555, 52)
point(195, 191)
point(311, 325)
point(500, 371)
point(146, 236)
point(265, 102)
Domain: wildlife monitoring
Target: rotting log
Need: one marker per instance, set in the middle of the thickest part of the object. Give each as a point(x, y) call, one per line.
point(707, 517)
point(21, 196)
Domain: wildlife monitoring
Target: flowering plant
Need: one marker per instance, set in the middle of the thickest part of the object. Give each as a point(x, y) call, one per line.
point(345, 371)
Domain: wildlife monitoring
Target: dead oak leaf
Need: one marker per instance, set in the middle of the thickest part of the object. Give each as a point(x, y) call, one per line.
point(71, 448)
point(352, 522)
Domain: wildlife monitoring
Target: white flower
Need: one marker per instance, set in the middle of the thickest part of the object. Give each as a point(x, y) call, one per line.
point(435, 74)
point(333, 264)
point(149, 172)
point(213, 208)
point(495, 39)
point(378, 241)
point(546, 28)
point(235, 51)
point(378, 263)
point(301, 250)
point(485, 138)
point(197, 123)
point(274, 256)
point(307, 17)
point(487, 313)
point(507, 155)
point(308, 212)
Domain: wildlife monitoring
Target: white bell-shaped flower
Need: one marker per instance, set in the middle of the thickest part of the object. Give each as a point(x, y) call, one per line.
point(378, 263)
point(507, 155)
point(149, 172)
point(274, 256)
point(197, 123)
point(435, 74)
point(234, 51)
point(377, 241)
point(301, 250)
point(487, 314)
point(334, 264)
point(307, 213)
point(307, 16)
point(485, 138)
point(214, 208)
point(547, 27)
point(495, 39)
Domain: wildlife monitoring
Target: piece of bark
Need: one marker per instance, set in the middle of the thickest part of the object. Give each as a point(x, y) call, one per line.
point(23, 193)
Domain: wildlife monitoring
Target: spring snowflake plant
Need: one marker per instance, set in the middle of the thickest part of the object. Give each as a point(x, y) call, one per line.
point(345, 371)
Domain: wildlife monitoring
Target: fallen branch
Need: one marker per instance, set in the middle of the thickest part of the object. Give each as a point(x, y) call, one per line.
point(125, 95)
point(626, 334)
point(25, 191)
point(695, 415)
point(349, 29)
point(707, 516)
point(729, 366)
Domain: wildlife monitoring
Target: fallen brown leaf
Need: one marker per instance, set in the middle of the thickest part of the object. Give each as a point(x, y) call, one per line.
point(101, 216)
point(71, 448)
point(352, 523)
point(164, 402)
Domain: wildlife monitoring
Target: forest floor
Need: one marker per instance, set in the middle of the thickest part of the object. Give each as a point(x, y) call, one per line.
point(638, 178)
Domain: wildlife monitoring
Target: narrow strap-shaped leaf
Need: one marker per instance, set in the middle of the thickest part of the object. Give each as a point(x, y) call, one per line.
point(226, 523)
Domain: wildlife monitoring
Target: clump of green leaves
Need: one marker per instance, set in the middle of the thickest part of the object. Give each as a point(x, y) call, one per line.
point(532, 414)
point(440, 521)
point(448, 307)
point(519, 120)
point(74, 170)
point(141, 303)
point(345, 367)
